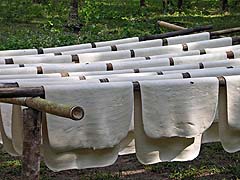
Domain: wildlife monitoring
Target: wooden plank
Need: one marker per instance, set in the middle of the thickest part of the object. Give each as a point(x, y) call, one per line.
point(225, 31)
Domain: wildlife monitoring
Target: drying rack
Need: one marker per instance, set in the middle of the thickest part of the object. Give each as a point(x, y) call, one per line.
point(36, 105)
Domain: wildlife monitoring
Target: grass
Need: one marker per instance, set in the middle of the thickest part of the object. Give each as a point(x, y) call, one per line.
point(212, 163)
point(30, 26)
point(43, 25)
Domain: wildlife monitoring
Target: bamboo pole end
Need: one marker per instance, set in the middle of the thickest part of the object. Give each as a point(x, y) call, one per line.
point(76, 113)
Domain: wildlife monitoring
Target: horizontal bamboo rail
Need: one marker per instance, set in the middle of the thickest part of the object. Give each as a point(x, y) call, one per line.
point(21, 92)
point(17, 95)
point(176, 33)
point(8, 85)
point(37, 103)
point(225, 31)
point(221, 79)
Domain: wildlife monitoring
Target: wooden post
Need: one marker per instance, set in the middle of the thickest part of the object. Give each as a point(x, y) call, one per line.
point(31, 144)
point(21, 92)
point(43, 105)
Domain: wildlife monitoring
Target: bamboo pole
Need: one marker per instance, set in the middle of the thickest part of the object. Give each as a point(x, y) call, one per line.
point(225, 31)
point(8, 85)
point(222, 81)
point(37, 103)
point(213, 34)
point(21, 92)
point(176, 33)
point(31, 144)
point(170, 26)
point(235, 40)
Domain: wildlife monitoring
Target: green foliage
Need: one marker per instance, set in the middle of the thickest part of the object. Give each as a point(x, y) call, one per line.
point(31, 25)
point(19, 10)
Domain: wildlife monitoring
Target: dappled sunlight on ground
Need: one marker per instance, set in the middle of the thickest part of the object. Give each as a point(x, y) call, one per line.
point(212, 163)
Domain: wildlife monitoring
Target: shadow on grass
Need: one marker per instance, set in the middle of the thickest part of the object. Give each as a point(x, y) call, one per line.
point(212, 163)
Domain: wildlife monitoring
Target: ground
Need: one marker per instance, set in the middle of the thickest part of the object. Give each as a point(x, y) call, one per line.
point(212, 163)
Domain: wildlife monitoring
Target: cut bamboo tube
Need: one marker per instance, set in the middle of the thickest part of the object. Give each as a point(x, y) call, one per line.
point(68, 111)
point(37, 103)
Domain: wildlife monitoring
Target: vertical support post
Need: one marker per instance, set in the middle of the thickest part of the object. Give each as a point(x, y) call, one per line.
point(31, 144)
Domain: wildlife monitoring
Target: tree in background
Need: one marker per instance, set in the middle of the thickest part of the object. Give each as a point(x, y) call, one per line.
point(142, 3)
point(36, 1)
point(73, 14)
point(224, 5)
point(73, 18)
point(180, 4)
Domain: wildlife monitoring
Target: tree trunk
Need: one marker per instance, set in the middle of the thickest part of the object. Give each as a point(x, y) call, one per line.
point(224, 5)
point(73, 21)
point(31, 144)
point(180, 4)
point(73, 14)
point(142, 3)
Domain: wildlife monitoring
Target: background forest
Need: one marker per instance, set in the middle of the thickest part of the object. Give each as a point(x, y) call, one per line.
point(46, 23)
point(28, 23)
